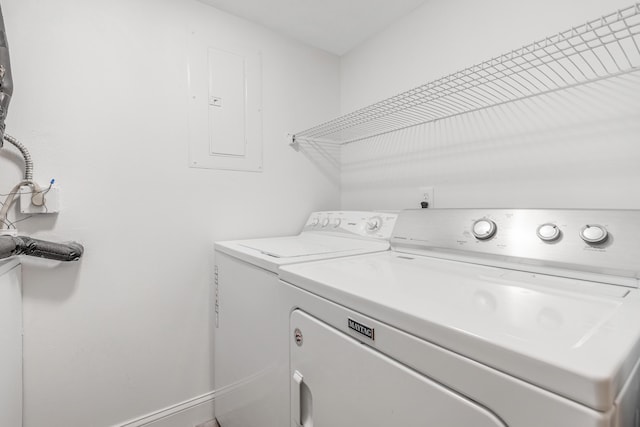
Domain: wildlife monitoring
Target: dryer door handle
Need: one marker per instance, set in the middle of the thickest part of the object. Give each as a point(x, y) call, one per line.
point(302, 403)
point(295, 397)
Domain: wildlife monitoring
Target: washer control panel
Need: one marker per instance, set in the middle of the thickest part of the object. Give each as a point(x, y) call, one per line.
point(378, 225)
point(603, 241)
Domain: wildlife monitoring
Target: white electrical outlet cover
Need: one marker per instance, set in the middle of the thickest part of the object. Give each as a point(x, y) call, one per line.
point(427, 195)
point(51, 200)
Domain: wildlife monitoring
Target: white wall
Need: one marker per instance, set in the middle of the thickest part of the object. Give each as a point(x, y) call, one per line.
point(576, 148)
point(101, 101)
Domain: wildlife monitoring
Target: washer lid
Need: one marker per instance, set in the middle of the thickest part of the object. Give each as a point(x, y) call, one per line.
point(304, 245)
point(577, 338)
point(269, 253)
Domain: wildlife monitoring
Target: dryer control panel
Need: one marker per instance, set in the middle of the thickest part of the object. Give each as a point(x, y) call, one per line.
point(600, 241)
point(378, 225)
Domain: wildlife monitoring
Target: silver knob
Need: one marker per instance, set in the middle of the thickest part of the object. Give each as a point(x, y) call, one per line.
point(484, 229)
point(374, 224)
point(337, 222)
point(325, 222)
point(593, 233)
point(548, 232)
point(315, 221)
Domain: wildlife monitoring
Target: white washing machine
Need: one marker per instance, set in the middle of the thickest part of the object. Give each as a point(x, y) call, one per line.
point(519, 318)
point(251, 313)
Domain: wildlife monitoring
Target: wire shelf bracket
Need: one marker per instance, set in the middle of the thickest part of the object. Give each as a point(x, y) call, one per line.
point(601, 48)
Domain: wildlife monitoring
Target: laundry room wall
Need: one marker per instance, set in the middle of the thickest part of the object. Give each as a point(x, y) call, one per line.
point(574, 148)
point(101, 102)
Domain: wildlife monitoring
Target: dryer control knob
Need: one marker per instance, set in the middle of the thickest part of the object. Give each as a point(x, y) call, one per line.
point(374, 224)
point(593, 233)
point(484, 229)
point(325, 222)
point(337, 222)
point(548, 232)
point(315, 221)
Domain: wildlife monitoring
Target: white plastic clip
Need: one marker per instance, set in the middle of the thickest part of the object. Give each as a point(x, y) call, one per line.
point(291, 139)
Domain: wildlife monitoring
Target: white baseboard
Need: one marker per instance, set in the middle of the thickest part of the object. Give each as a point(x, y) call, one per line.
point(188, 413)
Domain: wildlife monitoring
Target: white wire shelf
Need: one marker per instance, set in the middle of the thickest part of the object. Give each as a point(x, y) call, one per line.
point(599, 49)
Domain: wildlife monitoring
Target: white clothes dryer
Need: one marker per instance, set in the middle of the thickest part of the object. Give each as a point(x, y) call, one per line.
point(519, 318)
point(251, 313)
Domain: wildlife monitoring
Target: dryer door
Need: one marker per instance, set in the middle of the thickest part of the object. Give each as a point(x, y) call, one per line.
point(337, 381)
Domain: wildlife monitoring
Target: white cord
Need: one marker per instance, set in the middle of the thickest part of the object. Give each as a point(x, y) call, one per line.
point(8, 202)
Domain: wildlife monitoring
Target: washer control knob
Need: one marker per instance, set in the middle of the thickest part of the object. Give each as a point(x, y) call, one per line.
point(325, 222)
point(548, 232)
point(337, 222)
point(374, 224)
point(593, 233)
point(484, 229)
point(315, 221)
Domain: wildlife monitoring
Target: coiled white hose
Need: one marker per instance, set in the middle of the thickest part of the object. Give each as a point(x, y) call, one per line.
point(28, 163)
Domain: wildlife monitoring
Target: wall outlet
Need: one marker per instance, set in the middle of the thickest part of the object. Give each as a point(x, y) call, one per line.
point(51, 200)
point(426, 197)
